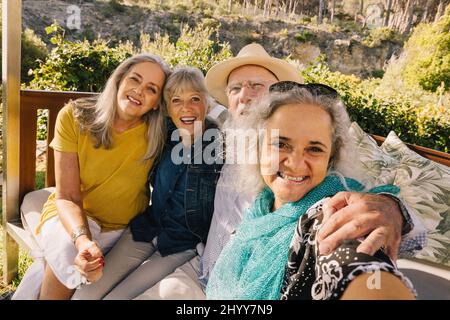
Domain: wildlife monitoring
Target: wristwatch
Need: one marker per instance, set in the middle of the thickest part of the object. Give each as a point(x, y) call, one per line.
point(408, 224)
point(79, 231)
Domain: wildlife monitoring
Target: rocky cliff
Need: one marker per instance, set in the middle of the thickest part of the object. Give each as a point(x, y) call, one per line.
point(344, 51)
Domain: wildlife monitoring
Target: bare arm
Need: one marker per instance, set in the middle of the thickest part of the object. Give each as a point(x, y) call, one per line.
point(68, 192)
point(69, 204)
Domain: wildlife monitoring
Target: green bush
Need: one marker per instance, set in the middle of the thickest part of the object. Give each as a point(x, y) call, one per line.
point(39, 182)
point(427, 125)
point(304, 36)
point(181, 9)
point(283, 33)
point(332, 28)
point(87, 33)
point(378, 35)
point(113, 7)
point(378, 73)
point(202, 6)
point(304, 20)
point(194, 47)
point(250, 37)
point(77, 66)
point(33, 51)
point(428, 55)
point(211, 23)
point(42, 124)
point(116, 5)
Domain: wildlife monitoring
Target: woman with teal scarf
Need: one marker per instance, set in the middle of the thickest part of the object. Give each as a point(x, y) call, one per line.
point(273, 254)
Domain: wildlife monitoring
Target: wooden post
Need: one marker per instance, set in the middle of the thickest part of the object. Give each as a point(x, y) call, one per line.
point(11, 37)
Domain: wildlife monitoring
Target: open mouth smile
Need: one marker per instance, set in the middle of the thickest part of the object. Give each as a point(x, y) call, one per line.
point(135, 101)
point(298, 179)
point(188, 120)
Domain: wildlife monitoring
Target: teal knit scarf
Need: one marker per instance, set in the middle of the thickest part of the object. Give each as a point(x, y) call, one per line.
point(252, 264)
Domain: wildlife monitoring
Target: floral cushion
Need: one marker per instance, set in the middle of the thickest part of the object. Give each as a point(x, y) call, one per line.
point(378, 166)
point(424, 186)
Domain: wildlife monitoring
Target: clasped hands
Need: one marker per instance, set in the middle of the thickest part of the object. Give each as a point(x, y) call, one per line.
point(89, 260)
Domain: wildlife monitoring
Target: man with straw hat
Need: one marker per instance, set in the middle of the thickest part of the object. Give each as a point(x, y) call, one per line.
point(236, 83)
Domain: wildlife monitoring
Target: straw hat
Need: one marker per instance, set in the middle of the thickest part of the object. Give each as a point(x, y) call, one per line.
point(252, 54)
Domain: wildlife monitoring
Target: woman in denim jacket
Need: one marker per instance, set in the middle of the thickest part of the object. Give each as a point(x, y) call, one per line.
point(182, 188)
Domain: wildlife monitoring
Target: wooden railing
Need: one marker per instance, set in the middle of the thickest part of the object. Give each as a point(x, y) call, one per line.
point(30, 102)
point(434, 155)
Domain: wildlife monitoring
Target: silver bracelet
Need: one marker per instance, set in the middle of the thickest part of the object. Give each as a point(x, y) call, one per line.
point(78, 232)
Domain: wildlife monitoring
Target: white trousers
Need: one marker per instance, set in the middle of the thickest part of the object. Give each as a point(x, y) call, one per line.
point(183, 284)
point(59, 252)
point(131, 267)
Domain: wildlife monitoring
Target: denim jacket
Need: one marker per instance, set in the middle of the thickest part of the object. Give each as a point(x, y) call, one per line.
point(201, 181)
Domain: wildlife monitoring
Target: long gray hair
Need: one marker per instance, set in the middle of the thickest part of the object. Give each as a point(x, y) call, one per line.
point(95, 115)
point(343, 148)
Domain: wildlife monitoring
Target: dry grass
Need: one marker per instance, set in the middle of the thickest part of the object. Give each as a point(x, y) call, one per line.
point(24, 262)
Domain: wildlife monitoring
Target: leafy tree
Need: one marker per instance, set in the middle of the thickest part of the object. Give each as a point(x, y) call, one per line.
point(428, 55)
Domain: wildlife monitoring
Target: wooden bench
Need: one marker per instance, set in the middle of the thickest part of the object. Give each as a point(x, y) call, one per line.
point(21, 230)
point(30, 102)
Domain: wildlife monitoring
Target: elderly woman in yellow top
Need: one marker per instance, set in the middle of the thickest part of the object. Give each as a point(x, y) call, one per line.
point(104, 149)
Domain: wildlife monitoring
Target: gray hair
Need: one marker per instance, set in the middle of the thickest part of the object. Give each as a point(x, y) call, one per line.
point(183, 79)
point(95, 115)
point(343, 147)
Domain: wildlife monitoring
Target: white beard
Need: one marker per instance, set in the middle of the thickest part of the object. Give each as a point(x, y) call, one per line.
point(234, 119)
point(242, 109)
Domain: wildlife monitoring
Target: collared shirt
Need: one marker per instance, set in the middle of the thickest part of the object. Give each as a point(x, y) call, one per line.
point(229, 207)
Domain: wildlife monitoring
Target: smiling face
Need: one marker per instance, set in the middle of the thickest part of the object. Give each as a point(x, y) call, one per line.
point(245, 84)
point(187, 107)
point(300, 152)
point(139, 91)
